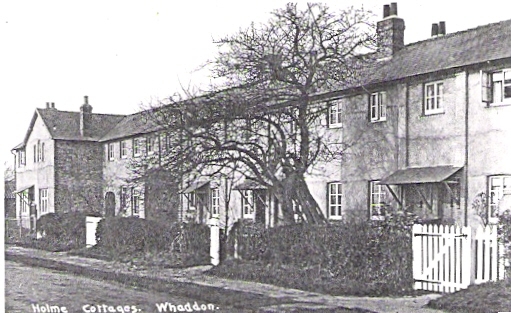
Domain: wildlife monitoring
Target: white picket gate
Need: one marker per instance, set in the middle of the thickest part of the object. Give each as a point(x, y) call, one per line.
point(450, 258)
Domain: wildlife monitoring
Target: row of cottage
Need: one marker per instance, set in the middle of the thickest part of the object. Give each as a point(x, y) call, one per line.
point(431, 126)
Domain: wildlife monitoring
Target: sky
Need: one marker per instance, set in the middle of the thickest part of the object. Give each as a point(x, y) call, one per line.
point(125, 55)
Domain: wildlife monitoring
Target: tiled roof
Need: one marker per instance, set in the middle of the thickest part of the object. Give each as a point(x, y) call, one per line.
point(66, 125)
point(139, 123)
point(473, 46)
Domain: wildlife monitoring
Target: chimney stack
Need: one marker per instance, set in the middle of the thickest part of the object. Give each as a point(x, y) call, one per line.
point(441, 28)
point(390, 31)
point(53, 105)
point(47, 105)
point(85, 118)
point(434, 30)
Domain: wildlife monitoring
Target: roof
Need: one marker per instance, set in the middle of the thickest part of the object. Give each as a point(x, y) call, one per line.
point(138, 123)
point(66, 125)
point(455, 50)
point(420, 175)
point(249, 185)
point(195, 186)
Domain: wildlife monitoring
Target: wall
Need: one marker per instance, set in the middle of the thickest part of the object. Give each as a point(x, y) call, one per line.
point(78, 176)
point(39, 174)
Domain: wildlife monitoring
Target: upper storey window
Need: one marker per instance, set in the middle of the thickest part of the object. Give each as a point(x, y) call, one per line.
point(335, 114)
point(378, 106)
point(434, 98)
point(496, 87)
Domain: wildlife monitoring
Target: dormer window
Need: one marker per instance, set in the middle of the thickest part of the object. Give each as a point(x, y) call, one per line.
point(378, 107)
point(434, 98)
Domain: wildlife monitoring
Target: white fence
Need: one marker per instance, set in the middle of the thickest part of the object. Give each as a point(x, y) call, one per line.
point(450, 258)
point(91, 224)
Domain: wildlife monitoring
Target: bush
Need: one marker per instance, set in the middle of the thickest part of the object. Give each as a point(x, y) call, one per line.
point(367, 252)
point(62, 231)
point(129, 237)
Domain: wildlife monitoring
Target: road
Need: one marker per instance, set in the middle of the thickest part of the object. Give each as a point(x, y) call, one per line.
point(41, 290)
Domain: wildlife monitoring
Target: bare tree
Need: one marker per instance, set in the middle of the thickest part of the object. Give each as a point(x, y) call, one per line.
point(264, 120)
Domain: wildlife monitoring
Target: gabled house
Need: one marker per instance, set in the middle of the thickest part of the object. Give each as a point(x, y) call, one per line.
point(427, 128)
point(59, 164)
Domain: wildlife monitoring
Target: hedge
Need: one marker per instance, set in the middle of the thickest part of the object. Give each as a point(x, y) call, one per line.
point(62, 231)
point(367, 252)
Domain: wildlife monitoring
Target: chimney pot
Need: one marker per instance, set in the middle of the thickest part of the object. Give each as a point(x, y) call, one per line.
point(386, 10)
point(86, 99)
point(434, 30)
point(47, 105)
point(393, 8)
point(53, 105)
point(441, 28)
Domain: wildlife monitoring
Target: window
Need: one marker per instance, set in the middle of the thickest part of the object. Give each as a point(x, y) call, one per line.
point(110, 151)
point(298, 213)
point(151, 144)
point(35, 153)
point(136, 147)
point(335, 200)
point(41, 153)
point(247, 203)
point(497, 185)
point(135, 202)
point(164, 141)
point(43, 200)
point(496, 87)
point(377, 203)
point(215, 202)
point(124, 197)
point(335, 114)
point(24, 201)
point(124, 149)
point(21, 158)
point(433, 98)
point(378, 106)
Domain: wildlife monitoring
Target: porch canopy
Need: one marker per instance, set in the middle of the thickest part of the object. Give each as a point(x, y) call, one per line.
point(420, 175)
point(195, 186)
point(22, 189)
point(249, 185)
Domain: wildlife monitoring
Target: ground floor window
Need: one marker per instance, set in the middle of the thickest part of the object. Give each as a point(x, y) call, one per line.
point(43, 200)
point(497, 185)
point(247, 203)
point(135, 202)
point(335, 200)
point(378, 200)
point(215, 202)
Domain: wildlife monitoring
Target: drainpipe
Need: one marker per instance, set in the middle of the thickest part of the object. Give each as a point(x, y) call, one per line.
point(466, 146)
point(407, 125)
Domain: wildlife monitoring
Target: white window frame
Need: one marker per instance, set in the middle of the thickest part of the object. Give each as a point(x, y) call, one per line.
point(150, 144)
point(136, 147)
point(434, 103)
point(215, 202)
point(335, 114)
point(24, 201)
point(22, 158)
point(335, 196)
point(110, 151)
point(502, 79)
point(497, 184)
point(378, 199)
point(247, 204)
point(43, 200)
point(378, 106)
point(123, 145)
point(135, 202)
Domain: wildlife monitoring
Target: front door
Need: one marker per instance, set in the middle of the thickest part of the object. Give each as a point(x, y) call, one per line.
point(109, 204)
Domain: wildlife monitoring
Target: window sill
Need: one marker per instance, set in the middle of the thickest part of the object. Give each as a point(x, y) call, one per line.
point(435, 112)
point(335, 218)
point(378, 121)
point(333, 126)
point(498, 104)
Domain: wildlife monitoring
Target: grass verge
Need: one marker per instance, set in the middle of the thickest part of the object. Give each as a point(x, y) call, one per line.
point(314, 280)
point(485, 298)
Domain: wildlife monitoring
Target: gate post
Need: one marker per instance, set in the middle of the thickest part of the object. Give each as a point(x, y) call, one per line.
point(214, 250)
